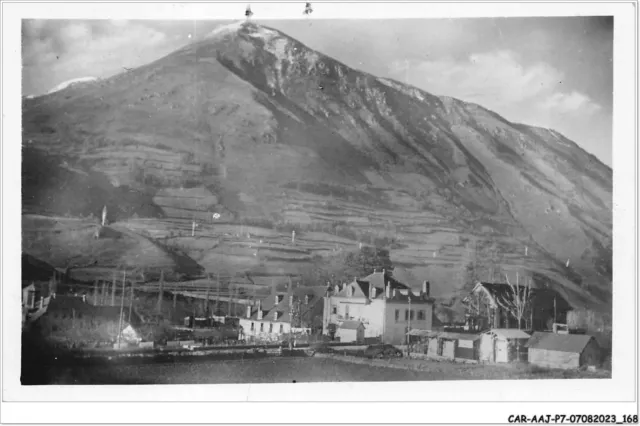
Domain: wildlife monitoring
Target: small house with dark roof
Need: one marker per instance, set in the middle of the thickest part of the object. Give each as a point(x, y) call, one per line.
point(351, 331)
point(487, 306)
point(385, 306)
point(565, 351)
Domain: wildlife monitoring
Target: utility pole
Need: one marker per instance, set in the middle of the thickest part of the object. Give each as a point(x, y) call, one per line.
point(113, 290)
point(409, 324)
point(130, 302)
point(206, 309)
point(217, 293)
point(231, 300)
point(161, 291)
point(124, 278)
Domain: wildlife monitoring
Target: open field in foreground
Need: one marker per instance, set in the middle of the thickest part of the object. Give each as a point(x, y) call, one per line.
point(288, 370)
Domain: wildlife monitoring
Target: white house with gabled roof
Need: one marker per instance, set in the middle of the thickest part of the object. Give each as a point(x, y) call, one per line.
point(382, 304)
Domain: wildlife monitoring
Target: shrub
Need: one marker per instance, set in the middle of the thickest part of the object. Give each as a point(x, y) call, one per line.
point(536, 369)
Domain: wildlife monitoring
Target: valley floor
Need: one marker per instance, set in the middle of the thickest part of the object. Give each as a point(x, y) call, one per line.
point(294, 370)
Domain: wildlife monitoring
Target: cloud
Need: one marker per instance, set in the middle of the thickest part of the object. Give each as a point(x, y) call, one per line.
point(496, 80)
point(570, 103)
point(58, 50)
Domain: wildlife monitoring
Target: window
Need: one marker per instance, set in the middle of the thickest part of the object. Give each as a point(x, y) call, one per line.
point(397, 315)
point(411, 314)
point(334, 310)
point(406, 315)
point(421, 315)
point(261, 327)
point(281, 329)
point(270, 328)
point(253, 326)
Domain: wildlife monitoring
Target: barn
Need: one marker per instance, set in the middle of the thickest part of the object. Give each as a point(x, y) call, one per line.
point(351, 331)
point(503, 345)
point(565, 351)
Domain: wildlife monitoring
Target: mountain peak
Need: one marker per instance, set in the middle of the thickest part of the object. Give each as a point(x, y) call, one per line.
point(242, 27)
point(251, 123)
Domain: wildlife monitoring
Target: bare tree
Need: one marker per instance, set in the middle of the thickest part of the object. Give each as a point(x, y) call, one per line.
point(519, 302)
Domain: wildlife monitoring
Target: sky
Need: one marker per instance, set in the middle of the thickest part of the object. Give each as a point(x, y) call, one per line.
point(550, 72)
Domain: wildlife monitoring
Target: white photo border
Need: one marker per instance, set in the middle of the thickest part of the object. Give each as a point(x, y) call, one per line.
point(441, 401)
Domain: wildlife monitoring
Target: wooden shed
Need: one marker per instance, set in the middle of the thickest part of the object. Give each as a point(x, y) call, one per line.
point(433, 346)
point(419, 340)
point(565, 351)
point(448, 346)
point(503, 345)
point(468, 346)
point(351, 331)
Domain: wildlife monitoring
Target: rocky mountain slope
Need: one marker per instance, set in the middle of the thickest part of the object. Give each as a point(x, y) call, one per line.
point(275, 137)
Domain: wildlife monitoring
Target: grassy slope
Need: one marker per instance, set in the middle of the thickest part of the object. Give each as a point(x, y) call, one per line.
point(230, 126)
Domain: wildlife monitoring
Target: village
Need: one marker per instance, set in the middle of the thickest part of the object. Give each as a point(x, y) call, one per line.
point(375, 316)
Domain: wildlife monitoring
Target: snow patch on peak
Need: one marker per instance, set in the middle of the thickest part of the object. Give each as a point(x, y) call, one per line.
point(71, 82)
point(262, 32)
point(225, 29)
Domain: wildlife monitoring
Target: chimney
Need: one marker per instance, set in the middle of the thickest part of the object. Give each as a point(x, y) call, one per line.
point(370, 290)
point(388, 291)
point(394, 293)
point(291, 300)
point(248, 311)
point(372, 294)
point(336, 289)
point(259, 309)
point(426, 288)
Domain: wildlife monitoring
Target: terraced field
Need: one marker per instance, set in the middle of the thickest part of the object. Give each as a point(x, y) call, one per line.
point(228, 126)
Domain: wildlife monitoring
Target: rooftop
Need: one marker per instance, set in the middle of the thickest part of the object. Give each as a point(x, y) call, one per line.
point(444, 334)
point(270, 307)
point(574, 343)
point(380, 281)
point(508, 333)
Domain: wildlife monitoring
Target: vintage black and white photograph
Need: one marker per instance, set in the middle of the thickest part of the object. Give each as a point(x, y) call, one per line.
point(256, 201)
point(251, 200)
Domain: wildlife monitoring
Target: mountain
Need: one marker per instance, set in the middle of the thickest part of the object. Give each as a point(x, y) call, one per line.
point(273, 136)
